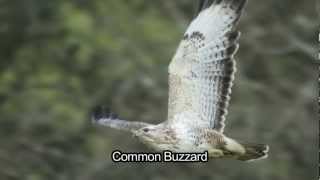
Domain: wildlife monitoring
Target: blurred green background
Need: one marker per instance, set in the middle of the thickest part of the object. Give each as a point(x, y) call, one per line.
point(59, 58)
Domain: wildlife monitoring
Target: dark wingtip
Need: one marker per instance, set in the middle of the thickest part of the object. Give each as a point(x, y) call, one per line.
point(204, 4)
point(101, 112)
point(240, 4)
point(237, 5)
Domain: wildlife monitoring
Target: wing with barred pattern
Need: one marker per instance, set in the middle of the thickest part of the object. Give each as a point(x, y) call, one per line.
point(202, 70)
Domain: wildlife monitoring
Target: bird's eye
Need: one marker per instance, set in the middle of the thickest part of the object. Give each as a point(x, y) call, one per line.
point(145, 130)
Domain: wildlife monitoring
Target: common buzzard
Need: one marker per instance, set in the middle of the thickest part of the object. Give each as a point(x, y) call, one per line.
point(200, 80)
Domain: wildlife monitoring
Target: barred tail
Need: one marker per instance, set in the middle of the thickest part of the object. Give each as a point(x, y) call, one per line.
point(254, 151)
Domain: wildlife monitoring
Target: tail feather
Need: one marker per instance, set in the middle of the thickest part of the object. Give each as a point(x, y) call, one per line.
point(254, 151)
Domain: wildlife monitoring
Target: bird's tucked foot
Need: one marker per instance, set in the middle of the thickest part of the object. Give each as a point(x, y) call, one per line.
point(215, 153)
point(227, 153)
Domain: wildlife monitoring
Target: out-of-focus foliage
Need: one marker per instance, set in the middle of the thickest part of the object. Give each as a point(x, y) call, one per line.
point(61, 58)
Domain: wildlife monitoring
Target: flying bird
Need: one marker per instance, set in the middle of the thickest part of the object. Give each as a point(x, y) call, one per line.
point(201, 75)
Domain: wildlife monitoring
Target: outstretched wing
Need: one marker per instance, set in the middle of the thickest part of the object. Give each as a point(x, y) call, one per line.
point(104, 117)
point(202, 70)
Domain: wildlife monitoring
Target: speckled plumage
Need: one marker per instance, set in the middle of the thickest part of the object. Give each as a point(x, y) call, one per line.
point(202, 71)
point(200, 80)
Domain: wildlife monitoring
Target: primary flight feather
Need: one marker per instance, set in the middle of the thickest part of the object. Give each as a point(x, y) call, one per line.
point(200, 80)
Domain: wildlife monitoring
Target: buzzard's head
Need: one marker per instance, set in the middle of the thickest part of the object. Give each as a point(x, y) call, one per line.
point(154, 136)
point(148, 134)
